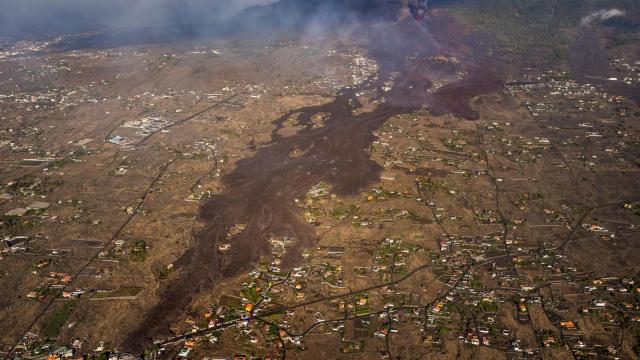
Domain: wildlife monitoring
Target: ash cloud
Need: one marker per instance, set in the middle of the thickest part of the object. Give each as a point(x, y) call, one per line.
point(112, 23)
point(32, 18)
point(601, 16)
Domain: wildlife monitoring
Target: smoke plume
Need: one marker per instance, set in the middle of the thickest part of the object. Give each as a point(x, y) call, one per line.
point(601, 16)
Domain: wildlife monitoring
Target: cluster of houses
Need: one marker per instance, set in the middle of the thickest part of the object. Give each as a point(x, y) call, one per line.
point(56, 281)
point(629, 71)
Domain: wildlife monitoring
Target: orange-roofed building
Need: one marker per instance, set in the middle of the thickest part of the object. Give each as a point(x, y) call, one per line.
point(568, 324)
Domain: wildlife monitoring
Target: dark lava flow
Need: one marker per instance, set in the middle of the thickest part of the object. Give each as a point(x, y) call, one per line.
point(261, 190)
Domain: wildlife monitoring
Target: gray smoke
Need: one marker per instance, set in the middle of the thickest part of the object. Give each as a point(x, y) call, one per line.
point(601, 15)
point(113, 23)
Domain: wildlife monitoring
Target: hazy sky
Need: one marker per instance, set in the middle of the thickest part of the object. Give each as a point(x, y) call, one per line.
point(19, 17)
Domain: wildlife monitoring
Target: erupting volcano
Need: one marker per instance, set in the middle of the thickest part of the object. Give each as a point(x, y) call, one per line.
point(419, 8)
